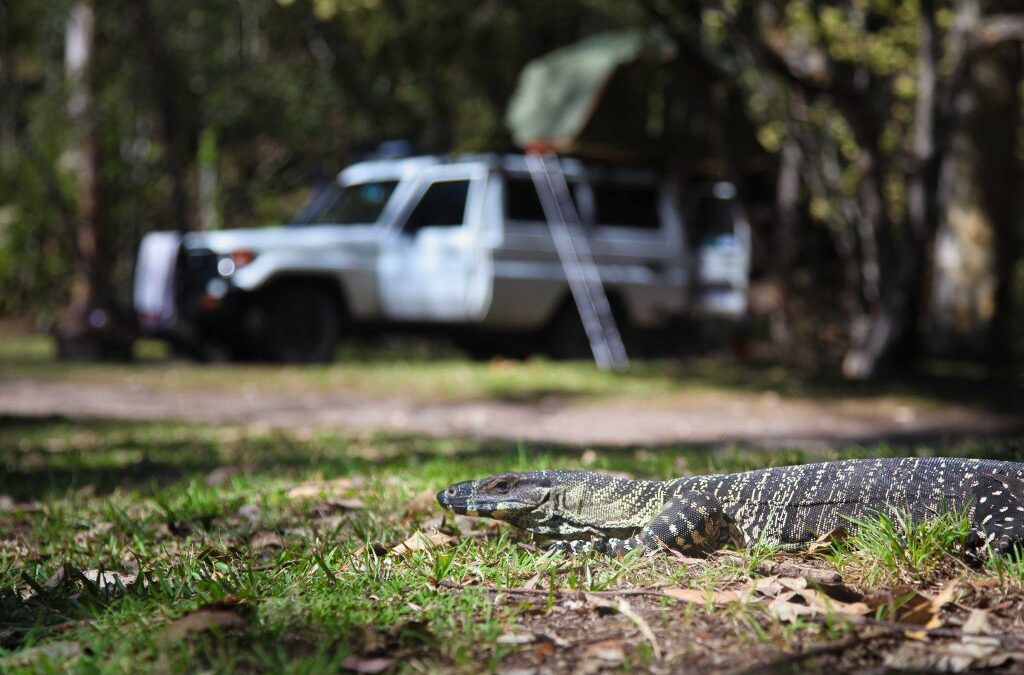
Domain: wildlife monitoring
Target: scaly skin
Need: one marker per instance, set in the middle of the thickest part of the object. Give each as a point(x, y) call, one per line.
point(778, 507)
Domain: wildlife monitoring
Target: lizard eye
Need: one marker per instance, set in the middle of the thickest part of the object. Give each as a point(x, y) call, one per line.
point(503, 485)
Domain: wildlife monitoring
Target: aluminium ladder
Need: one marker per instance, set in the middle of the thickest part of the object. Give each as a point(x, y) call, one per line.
point(581, 271)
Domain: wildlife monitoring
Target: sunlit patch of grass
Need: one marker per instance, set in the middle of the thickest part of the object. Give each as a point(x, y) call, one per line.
point(892, 549)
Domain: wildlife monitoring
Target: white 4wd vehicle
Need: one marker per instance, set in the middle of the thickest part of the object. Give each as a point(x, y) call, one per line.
point(457, 243)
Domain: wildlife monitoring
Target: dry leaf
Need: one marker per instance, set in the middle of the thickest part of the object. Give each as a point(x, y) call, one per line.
point(704, 597)
point(111, 582)
point(218, 617)
point(601, 655)
point(974, 650)
point(991, 582)
point(544, 650)
point(423, 540)
point(56, 652)
point(345, 503)
point(825, 541)
point(265, 539)
point(515, 639)
point(792, 604)
point(923, 610)
point(319, 488)
point(362, 664)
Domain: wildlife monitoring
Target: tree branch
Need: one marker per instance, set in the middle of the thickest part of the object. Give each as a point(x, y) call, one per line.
point(998, 28)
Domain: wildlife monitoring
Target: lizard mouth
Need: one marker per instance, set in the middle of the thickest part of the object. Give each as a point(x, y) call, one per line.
point(460, 499)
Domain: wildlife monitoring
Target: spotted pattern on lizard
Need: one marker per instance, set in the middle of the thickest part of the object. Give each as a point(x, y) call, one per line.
point(779, 506)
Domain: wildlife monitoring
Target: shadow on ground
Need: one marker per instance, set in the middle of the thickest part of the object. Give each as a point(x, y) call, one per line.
point(55, 455)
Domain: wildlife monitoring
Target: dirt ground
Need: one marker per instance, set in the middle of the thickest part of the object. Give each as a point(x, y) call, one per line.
point(756, 419)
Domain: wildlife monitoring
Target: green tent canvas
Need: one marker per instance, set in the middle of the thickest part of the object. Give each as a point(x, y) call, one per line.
point(627, 96)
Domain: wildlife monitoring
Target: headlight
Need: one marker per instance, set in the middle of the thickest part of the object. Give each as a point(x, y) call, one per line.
point(232, 262)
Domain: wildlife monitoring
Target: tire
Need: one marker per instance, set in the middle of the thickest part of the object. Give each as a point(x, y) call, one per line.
point(565, 338)
point(294, 323)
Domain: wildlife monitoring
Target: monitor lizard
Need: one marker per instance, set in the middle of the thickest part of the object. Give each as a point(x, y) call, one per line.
point(781, 506)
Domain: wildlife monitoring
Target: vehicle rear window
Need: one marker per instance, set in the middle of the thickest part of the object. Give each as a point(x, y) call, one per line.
point(634, 206)
point(522, 203)
point(349, 205)
point(442, 205)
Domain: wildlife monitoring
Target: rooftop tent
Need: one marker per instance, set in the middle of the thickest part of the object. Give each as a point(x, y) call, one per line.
point(625, 96)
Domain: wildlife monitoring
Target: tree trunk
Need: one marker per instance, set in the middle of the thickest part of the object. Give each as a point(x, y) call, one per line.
point(1003, 101)
point(976, 246)
point(88, 328)
point(787, 208)
point(176, 106)
point(892, 334)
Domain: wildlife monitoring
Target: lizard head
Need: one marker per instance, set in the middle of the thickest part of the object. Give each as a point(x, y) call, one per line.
point(555, 502)
point(513, 497)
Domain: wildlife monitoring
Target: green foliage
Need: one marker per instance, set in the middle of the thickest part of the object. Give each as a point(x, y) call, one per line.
point(291, 90)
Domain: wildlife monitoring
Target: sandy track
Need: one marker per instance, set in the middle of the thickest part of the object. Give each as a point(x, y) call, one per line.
point(765, 420)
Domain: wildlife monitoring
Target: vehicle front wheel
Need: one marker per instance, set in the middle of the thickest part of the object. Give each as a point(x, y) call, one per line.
point(294, 323)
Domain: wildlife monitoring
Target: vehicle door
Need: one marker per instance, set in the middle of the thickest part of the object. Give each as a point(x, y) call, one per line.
point(432, 262)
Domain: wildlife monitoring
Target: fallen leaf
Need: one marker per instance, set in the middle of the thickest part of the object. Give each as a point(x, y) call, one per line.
point(111, 582)
point(266, 539)
point(793, 604)
point(544, 650)
point(825, 541)
point(218, 617)
point(991, 582)
point(340, 504)
point(704, 597)
point(319, 488)
point(55, 652)
point(554, 639)
point(362, 664)
point(976, 649)
point(220, 476)
point(600, 656)
point(423, 540)
point(515, 639)
point(922, 609)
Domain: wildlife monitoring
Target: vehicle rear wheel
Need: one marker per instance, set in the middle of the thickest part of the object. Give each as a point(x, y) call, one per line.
point(566, 338)
point(294, 323)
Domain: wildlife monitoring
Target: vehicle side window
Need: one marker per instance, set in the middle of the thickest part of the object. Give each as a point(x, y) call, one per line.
point(633, 206)
point(522, 202)
point(442, 205)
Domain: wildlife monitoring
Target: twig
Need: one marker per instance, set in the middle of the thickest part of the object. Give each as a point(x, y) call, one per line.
point(653, 591)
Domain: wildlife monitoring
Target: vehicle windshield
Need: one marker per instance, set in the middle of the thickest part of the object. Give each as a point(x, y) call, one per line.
point(350, 205)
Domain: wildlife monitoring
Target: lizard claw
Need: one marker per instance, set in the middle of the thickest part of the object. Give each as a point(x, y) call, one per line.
point(568, 547)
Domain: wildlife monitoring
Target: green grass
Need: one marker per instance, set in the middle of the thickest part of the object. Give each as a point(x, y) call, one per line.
point(428, 371)
point(892, 550)
point(202, 515)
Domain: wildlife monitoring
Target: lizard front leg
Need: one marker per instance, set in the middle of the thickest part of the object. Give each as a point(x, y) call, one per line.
point(689, 523)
